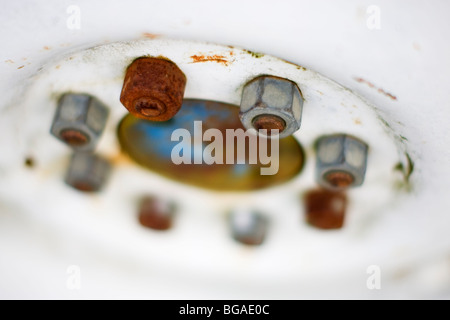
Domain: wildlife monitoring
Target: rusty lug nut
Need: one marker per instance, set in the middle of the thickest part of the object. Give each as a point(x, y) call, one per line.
point(153, 89)
point(325, 209)
point(87, 172)
point(156, 213)
point(269, 103)
point(248, 227)
point(79, 121)
point(341, 161)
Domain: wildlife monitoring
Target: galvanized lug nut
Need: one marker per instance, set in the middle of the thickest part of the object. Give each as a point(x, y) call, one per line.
point(325, 209)
point(269, 103)
point(341, 161)
point(153, 89)
point(87, 172)
point(79, 121)
point(248, 227)
point(156, 213)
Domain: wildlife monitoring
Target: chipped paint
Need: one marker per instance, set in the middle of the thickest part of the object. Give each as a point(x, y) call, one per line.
point(212, 58)
point(150, 35)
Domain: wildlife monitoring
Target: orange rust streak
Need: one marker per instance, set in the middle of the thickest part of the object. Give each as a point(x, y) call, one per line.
point(380, 90)
point(150, 35)
point(214, 58)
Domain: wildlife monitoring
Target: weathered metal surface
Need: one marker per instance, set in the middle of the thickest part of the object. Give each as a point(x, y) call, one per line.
point(270, 102)
point(153, 89)
point(79, 121)
point(156, 213)
point(341, 161)
point(87, 172)
point(325, 209)
point(248, 227)
point(149, 144)
point(329, 108)
point(269, 122)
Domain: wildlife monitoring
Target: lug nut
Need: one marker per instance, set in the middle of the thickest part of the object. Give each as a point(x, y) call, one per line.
point(153, 89)
point(270, 103)
point(79, 121)
point(325, 209)
point(87, 172)
point(341, 161)
point(156, 213)
point(248, 227)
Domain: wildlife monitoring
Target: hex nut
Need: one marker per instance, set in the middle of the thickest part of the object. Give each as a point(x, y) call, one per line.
point(87, 172)
point(153, 89)
point(341, 161)
point(248, 227)
point(156, 213)
point(325, 209)
point(79, 121)
point(270, 102)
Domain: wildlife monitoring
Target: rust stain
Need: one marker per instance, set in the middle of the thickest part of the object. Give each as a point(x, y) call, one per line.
point(214, 58)
point(20, 67)
point(58, 66)
point(29, 162)
point(119, 159)
point(74, 137)
point(143, 142)
point(325, 209)
point(9, 61)
point(150, 35)
point(156, 214)
point(46, 48)
point(416, 46)
point(339, 179)
point(160, 57)
point(269, 122)
point(380, 90)
point(153, 89)
point(357, 121)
